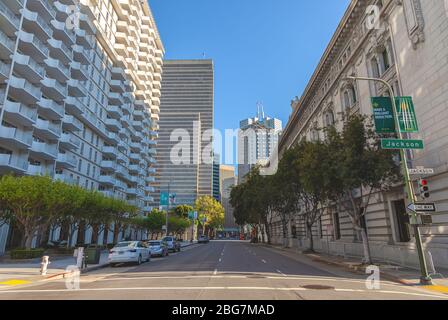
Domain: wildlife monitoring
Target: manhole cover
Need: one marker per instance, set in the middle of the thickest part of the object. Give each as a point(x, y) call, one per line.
point(317, 287)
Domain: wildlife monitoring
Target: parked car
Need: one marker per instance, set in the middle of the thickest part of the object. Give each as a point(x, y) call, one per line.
point(158, 248)
point(203, 239)
point(129, 251)
point(173, 243)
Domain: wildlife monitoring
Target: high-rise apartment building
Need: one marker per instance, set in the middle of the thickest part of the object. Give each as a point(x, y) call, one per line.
point(185, 148)
point(257, 139)
point(80, 85)
point(216, 177)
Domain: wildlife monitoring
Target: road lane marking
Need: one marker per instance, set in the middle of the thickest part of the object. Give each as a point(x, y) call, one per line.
point(213, 289)
point(15, 282)
point(220, 259)
point(264, 261)
point(215, 272)
point(281, 273)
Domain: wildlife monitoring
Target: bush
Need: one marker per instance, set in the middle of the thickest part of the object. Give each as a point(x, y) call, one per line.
point(21, 254)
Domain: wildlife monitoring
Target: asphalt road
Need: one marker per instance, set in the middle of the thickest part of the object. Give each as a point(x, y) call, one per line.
point(221, 270)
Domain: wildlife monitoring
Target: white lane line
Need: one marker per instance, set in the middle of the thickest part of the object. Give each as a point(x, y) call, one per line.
point(264, 261)
point(281, 273)
point(220, 259)
point(215, 272)
point(208, 288)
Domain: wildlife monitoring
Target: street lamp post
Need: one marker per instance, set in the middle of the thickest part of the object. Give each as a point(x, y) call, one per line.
point(425, 279)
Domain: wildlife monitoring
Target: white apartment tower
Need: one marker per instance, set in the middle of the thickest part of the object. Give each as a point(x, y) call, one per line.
point(257, 139)
point(80, 88)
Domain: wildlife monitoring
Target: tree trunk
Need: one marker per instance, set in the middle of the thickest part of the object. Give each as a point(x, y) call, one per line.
point(310, 233)
point(28, 238)
point(116, 232)
point(268, 232)
point(285, 235)
point(366, 247)
point(106, 234)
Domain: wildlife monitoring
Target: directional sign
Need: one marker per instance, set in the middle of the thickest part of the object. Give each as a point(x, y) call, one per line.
point(164, 198)
point(398, 144)
point(421, 171)
point(422, 207)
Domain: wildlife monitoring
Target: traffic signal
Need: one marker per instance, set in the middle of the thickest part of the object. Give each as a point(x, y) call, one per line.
point(424, 188)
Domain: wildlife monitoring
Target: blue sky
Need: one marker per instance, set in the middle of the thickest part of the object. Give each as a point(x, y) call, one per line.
point(263, 50)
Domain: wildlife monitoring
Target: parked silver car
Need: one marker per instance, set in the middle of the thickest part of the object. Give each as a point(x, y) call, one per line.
point(158, 248)
point(173, 243)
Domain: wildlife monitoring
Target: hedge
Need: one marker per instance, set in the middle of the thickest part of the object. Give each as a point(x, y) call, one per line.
point(26, 253)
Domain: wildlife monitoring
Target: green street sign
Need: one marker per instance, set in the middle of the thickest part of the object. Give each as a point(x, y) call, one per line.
point(383, 114)
point(398, 144)
point(164, 196)
point(406, 115)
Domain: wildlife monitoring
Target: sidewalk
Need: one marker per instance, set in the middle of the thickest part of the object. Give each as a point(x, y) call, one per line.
point(405, 276)
point(17, 272)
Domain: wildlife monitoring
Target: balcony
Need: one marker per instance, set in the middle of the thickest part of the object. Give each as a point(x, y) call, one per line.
point(4, 71)
point(53, 89)
point(108, 193)
point(56, 70)
point(150, 179)
point(62, 11)
point(50, 109)
point(132, 192)
point(115, 112)
point(74, 106)
point(43, 150)
point(23, 91)
point(107, 180)
point(15, 138)
point(75, 88)
point(110, 152)
point(134, 169)
point(20, 114)
point(42, 7)
point(47, 129)
point(79, 71)
point(70, 123)
point(9, 22)
point(122, 146)
point(125, 121)
point(80, 54)
point(11, 163)
point(108, 166)
point(115, 98)
point(122, 38)
point(65, 178)
point(59, 50)
point(138, 115)
point(62, 33)
point(113, 138)
point(96, 124)
point(69, 142)
point(136, 147)
point(6, 46)
point(126, 108)
point(118, 86)
point(31, 46)
point(66, 160)
point(86, 24)
point(83, 39)
point(124, 134)
point(113, 125)
point(135, 156)
point(32, 21)
point(138, 125)
point(28, 68)
point(121, 158)
point(118, 74)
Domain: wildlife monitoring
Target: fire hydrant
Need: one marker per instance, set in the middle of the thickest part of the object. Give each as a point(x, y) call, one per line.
point(44, 265)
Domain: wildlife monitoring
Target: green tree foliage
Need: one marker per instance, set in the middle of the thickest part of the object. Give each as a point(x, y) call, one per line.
point(183, 210)
point(34, 203)
point(210, 210)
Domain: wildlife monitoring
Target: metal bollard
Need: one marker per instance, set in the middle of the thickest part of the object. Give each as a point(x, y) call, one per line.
point(44, 265)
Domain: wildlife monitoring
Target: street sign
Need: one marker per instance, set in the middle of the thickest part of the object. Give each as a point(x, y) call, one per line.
point(383, 114)
point(406, 115)
point(422, 207)
point(421, 171)
point(164, 196)
point(398, 144)
point(195, 215)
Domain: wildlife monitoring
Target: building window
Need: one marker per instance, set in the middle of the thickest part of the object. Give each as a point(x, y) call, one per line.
point(375, 67)
point(329, 118)
point(349, 97)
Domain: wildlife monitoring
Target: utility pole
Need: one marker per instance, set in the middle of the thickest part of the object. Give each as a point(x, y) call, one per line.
point(425, 279)
point(168, 207)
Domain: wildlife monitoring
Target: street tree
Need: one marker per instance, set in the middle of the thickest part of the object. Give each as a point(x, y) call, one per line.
point(210, 212)
point(360, 167)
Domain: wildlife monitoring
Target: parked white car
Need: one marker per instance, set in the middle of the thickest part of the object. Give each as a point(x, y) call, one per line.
point(129, 251)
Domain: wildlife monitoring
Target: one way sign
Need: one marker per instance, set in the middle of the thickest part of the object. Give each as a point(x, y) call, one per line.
point(422, 207)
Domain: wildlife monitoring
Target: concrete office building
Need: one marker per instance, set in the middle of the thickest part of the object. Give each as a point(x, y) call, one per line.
point(228, 180)
point(186, 113)
point(80, 96)
point(216, 178)
point(409, 50)
point(257, 139)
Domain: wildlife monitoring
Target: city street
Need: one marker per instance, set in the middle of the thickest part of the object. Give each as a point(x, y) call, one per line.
point(224, 270)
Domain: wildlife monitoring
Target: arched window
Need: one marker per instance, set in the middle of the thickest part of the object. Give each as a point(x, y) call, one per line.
point(349, 97)
point(376, 71)
point(315, 133)
point(329, 118)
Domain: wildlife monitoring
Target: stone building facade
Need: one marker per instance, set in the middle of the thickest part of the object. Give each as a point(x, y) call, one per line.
point(405, 43)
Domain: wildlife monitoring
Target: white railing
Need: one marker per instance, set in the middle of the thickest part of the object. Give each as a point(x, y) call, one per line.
point(11, 16)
